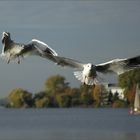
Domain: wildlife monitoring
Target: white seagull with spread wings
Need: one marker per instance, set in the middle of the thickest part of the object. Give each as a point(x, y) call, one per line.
point(12, 50)
point(87, 73)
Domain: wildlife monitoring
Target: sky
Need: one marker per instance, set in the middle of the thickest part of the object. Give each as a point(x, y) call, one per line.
point(88, 31)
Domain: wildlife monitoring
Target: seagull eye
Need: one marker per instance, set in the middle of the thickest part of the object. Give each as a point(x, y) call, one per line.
point(88, 65)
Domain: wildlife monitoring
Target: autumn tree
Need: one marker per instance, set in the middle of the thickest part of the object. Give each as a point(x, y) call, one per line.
point(42, 103)
point(128, 81)
point(41, 100)
point(63, 100)
point(75, 95)
point(56, 84)
point(119, 104)
point(20, 98)
point(86, 94)
point(97, 95)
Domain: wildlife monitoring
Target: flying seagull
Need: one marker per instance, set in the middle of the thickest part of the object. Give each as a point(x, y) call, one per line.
point(87, 73)
point(12, 50)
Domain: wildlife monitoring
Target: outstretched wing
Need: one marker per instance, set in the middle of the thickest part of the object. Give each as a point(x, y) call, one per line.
point(37, 47)
point(43, 47)
point(63, 61)
point(119, 66)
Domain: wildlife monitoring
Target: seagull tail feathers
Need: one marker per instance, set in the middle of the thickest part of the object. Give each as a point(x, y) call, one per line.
point(79, 76)
point(87, 80)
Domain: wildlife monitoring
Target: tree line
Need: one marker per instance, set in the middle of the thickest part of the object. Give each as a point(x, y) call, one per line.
point(58, 93)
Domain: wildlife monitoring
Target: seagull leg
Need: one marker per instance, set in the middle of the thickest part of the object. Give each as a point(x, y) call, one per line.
point(18, 60)
point(84, 80)
point(8, 61)
point(93, 86)
point(21, 57)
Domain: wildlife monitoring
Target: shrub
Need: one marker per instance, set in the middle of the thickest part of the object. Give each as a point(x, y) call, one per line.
point(119, 104)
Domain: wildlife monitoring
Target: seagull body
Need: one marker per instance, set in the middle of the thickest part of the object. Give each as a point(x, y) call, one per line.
point(12, 50)
point(88, 73)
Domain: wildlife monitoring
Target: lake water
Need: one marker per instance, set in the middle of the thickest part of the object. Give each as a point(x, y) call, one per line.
point(68, 124)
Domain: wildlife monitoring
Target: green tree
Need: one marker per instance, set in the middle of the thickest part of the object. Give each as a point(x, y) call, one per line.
point(63, 100)
point(40, 95)
point(56, 84)
point(97, 91)
point(86, 95)
point(41, 100)
point(110, 98)
point(75, 96)
point(128, 81)
point(20, 98)
point(42, 103)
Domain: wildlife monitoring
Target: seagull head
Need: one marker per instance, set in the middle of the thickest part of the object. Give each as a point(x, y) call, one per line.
point(5, 37)
point(89, 70)
point(88, 66)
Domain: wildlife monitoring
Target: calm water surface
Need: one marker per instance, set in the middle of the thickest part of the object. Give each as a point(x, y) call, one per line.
point(68, 124)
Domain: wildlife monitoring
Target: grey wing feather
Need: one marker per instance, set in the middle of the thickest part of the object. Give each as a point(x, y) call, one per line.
point(42, 47)
point(36, 47)
point(63, 61)
point(119, 66)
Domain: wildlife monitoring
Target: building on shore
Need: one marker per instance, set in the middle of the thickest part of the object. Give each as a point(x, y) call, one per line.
point(110, 93)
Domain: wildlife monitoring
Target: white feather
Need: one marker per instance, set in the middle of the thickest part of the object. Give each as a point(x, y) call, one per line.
point(41, 46)
point(89, 81)
point(79, 76)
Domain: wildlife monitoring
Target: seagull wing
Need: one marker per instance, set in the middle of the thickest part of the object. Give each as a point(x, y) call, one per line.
point(42, 47)
point(37, 47)
point(63, 61)
point(119, 66)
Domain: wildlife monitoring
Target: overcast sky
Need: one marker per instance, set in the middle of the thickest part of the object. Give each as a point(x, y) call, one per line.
point(88, 31)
